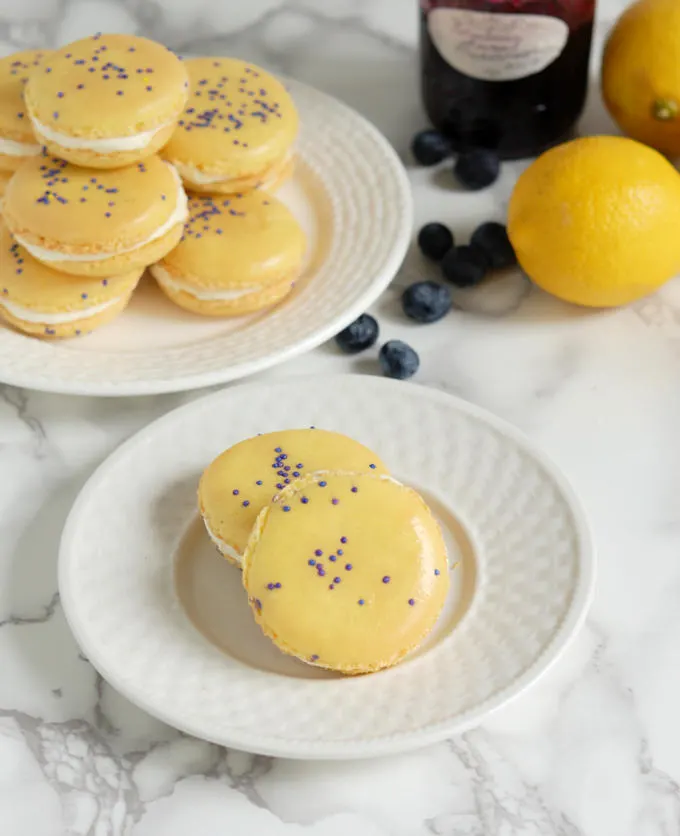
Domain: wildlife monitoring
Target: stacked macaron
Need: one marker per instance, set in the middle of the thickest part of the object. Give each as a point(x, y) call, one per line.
point(242, 249)
point(89, 205)
point(96, 140)
point(345, 568)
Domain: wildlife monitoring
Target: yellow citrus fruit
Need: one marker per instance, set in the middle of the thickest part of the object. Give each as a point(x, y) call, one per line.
point(641, 74)
point(596, 221)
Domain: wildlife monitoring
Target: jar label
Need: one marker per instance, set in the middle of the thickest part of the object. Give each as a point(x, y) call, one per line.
point(493, 46)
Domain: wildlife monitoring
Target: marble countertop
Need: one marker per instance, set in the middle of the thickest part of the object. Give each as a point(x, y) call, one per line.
point(592, 750)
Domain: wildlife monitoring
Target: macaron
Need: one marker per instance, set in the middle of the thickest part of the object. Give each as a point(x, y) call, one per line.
point(44, 303)
point(17, 140)
point(239, 254)
point(237, 130)
point(240, 482)
point(95, 222)
point(107, 100)
point(346, 571)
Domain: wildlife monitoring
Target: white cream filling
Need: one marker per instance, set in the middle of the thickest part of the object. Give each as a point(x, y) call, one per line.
point(134, 142)
point(11, 148)
point(224, 548)
point(179, 215)
point(201, 178)
point(31, 315)
point(166, 280)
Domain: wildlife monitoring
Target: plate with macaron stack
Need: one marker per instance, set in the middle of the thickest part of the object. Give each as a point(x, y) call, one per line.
point(325, 568)
point(169, 224)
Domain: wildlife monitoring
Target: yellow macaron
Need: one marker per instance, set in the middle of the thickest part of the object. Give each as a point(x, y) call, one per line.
point(44, 303)
point(346, 571)
point(242, 480)
point(107, 100)
point(239, 254)
point(17, 140)
point(95, 222)
point(237, 130)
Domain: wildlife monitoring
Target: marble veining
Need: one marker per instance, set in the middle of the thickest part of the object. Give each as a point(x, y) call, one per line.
point(594, 748)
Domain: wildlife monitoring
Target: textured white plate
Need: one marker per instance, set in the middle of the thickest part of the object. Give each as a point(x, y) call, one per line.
point(353, 198)
point(165, 619)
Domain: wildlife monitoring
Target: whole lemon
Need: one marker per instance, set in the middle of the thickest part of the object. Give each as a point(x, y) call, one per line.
point(641, 74)
point(596, 221)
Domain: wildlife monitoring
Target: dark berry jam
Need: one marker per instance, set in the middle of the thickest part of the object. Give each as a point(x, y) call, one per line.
point(509, 75)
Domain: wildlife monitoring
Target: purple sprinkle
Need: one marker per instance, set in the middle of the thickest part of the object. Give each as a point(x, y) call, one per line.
point(105, 282)
point(311, 561)
point(355, 490)
point(258, 604)
point(386, 579)
point(119, 92)
point(277, 585)
point(107, 214)
point(343, 539)
point(361, 602)
point(411, 602)
point(279, 485)
point(318, 552)
point(296, 473)
point(372, 466)
point(322, 484)
point(340, 552)
point(321, 572)
point(332, 558)
point(55, 115)
point(287, 468)
point(348, 567)
point(83, 295)
point(335, 501)
point(80, 86)
point(284, 455)
point(60, 95)
point(246, 503)
point(331, 586)
point(278, 450)
point(270, 586)
point(437, 572)
point(259, 482)
point(304, 500)
point(337, 580)
point(286, 507)
point(313, 658)
point(299, 465)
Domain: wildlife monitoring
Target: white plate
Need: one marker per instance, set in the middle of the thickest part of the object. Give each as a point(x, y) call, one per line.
point(352, 196)
point(166, 621)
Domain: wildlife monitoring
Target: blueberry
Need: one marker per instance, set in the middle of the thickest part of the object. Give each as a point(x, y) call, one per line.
point(493, 238)
point(435, 240)
point(426, 301)
point(398, 360)
point(359, 335)
point(430, 147)
point(478, 168)
point(465, 266)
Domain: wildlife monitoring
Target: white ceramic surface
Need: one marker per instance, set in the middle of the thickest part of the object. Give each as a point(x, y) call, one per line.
point(524, 577)
point(352, 196)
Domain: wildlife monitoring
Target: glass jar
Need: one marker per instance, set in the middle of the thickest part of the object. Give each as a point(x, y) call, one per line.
point(510, 75)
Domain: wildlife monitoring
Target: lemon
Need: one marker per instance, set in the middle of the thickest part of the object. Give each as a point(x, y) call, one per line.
point(596, 221)
point(641, 74)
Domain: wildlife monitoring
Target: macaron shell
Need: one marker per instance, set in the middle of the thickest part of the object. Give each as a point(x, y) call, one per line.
point(5, 177)
point(238, 242)
point(251, 303)
point(66, 330)
point(238, 102)
point(364, 608)
point(15, 71)
point(270, 180)
point(55, 205)
point(115, 159)
point(108, 86)
point(229, 495)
